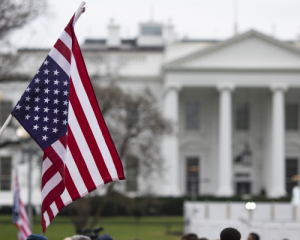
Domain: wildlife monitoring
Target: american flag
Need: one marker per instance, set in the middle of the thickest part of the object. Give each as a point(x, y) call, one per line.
point(19, 215)
point(60, 111)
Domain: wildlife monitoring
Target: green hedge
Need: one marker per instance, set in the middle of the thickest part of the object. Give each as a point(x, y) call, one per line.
point(120, 205)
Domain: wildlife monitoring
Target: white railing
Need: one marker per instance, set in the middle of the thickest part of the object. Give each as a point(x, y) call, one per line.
point(272, 221)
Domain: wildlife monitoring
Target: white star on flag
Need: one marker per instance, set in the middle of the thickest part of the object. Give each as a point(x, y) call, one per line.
point(46, 71)
point(46, 119)
point(35, 127)
point(56, 72)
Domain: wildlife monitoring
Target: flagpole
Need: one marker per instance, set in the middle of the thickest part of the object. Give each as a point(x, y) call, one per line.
point(5, 124)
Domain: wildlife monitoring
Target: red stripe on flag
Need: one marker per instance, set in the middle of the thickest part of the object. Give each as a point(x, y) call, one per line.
point(88, 135)
point(52, 195)
point(51, 171)
point(69, 27)
point(59, 203)
point(93, 101)
point(64, 140)
point(55, 159)
point(63, 49)
point(50, 214)
point(80, 163)
point(74, 194)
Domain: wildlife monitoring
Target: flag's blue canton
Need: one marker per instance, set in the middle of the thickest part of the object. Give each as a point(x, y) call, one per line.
point(16, 207)
point(43, 108)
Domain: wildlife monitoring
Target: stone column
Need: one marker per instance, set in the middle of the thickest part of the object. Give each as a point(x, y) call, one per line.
point(225, 185)
point(170, 143)
point(277, 173)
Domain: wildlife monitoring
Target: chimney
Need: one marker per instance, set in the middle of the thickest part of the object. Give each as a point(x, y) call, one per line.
point(113, 39)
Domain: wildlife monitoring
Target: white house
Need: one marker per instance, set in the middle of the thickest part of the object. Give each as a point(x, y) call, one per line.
point(235, 105)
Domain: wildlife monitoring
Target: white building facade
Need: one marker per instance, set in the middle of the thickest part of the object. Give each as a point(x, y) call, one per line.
point(234, 103)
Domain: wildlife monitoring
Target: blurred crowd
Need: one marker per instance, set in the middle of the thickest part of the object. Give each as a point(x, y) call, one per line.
point(226, 234)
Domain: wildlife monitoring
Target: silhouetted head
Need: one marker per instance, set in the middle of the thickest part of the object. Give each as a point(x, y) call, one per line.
point(189, 236)
point(253, 236)
point(36, 237)
point(230, 234)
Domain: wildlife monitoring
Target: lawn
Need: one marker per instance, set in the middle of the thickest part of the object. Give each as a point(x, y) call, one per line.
point(120, 228)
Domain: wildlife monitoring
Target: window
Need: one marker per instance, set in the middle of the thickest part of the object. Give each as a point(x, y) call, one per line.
point(192, 115)
point(131, 170)
point(5, 173)
point(151, 31)
point(291, 116)
point(242, 116)
point(5, 110)
point(243, 188)
point(192, 174)
point(291, 174)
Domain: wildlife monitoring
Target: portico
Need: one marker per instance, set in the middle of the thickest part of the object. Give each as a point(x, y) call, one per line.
point(264, 68)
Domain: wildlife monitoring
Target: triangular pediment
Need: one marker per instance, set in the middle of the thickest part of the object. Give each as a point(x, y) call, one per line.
point(249, 50)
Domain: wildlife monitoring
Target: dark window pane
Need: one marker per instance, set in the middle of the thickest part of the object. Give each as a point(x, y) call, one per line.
point(131, 170)
point(291, 174)
point(192, 174)
point(291, 116)
point(243, 188)
point(151, 31)
point(242, 116)
point(192, 115)
point(5, 110)
point(5, 173)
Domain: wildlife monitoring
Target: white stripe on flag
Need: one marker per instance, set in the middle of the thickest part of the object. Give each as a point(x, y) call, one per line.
point(46, 164)
point(54, 208)
point(65, 197)
point(66, 39)
point(91, 118)
point(60, 60)
point(84, 148)
point(52, 183)
point(46, 217)
point(75, 174)
point(60, 150)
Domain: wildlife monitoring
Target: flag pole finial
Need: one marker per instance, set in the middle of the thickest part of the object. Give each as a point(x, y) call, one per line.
point(80, 8)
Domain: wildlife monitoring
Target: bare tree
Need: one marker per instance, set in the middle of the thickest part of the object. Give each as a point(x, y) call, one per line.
point(136, 126)
point(15, 14)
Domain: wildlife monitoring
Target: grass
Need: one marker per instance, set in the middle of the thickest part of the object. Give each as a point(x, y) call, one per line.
point(120, 228)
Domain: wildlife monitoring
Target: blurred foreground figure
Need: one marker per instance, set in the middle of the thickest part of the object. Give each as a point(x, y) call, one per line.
point(80, 237)
point(230, 234)
point(105, 237)
point(189, 236)
point(253, 236)
point(36, 237)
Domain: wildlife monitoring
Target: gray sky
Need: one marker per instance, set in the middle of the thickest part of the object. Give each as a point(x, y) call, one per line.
point(192, 18)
